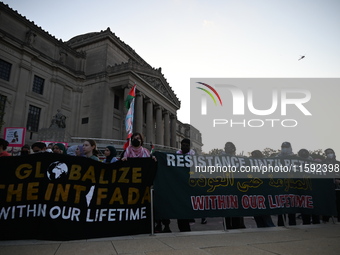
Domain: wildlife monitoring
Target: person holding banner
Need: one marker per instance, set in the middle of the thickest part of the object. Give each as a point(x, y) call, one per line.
point(185, 147)
point(50, 147)
point(71, 150)
point(3, 147)
point(331, 159)
point(306, 218)
point(80, 151)
point(286, 151)
point(232, 222)
point(136, 149)
point(25, 150)
point(110, 153)
point(262, 221)
point(59, 148)
point(39, 147)
point(90, 149)
point(184, 224)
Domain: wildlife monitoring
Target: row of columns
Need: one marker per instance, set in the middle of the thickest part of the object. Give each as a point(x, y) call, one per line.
point(162, 131)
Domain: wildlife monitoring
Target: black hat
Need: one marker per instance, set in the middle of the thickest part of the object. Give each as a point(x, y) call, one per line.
point(286, 145)
point(303, 153)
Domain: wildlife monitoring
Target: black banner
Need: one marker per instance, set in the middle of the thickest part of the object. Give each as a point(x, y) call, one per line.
point(59, 197)
point(181, 193)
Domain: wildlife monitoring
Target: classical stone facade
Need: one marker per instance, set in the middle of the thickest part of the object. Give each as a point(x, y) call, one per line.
point(87, 78)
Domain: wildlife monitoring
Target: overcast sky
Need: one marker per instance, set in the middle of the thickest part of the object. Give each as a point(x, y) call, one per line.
point(197, 38)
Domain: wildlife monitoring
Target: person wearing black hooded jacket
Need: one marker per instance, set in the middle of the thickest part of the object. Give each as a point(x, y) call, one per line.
point(331, 159)
point(286, 151)
point(306, 218)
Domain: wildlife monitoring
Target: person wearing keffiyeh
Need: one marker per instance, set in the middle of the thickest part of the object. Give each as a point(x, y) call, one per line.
point(136, 149)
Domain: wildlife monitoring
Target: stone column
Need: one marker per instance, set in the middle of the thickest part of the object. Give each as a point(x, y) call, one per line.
point(173, 130)
point(138, 113)
point(159, 125)
point(166, 128)
point(149, 122)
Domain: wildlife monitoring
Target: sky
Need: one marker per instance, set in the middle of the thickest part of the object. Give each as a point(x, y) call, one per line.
point(207, 39)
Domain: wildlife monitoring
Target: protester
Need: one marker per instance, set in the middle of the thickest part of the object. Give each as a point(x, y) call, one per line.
point(49, 150)
point(331, 159)
point(184, 224)
point(229, 149)
point(262, 221)
point(232, 222)
point(286, 151)
point(136, 149)
point(3, 147)
point(39, 147)
point(59, 148)
point(304, 153)
point(25, 150)
point(185, 147)
point(90, 149)
point(306, 218)
point(110, 153)
point(50, 146)
point(80, 151)
point(72, 150)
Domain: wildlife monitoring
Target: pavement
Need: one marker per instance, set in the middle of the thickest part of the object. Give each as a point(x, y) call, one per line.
point(205, 239)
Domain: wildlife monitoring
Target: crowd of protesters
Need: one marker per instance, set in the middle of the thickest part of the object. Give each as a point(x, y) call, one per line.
point(135, 149)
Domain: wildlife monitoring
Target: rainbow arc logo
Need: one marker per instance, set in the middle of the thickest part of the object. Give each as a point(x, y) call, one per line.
point(212, 96)
point(209, 93)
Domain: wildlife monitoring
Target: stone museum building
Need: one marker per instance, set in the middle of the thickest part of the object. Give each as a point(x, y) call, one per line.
point(85, 80)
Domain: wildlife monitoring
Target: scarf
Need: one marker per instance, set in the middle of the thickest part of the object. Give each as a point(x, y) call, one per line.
point(113, 153)
point(133, 152)
point(191, 152)
point(61, 147)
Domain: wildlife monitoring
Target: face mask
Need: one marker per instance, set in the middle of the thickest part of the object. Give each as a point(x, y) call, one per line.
point(229, 149)
point(135, 143)
point(285, 150)
point(330, 155)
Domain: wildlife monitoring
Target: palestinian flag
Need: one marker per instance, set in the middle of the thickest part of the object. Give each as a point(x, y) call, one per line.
point(130, 105)
point(130, 97)
point(152, 149)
